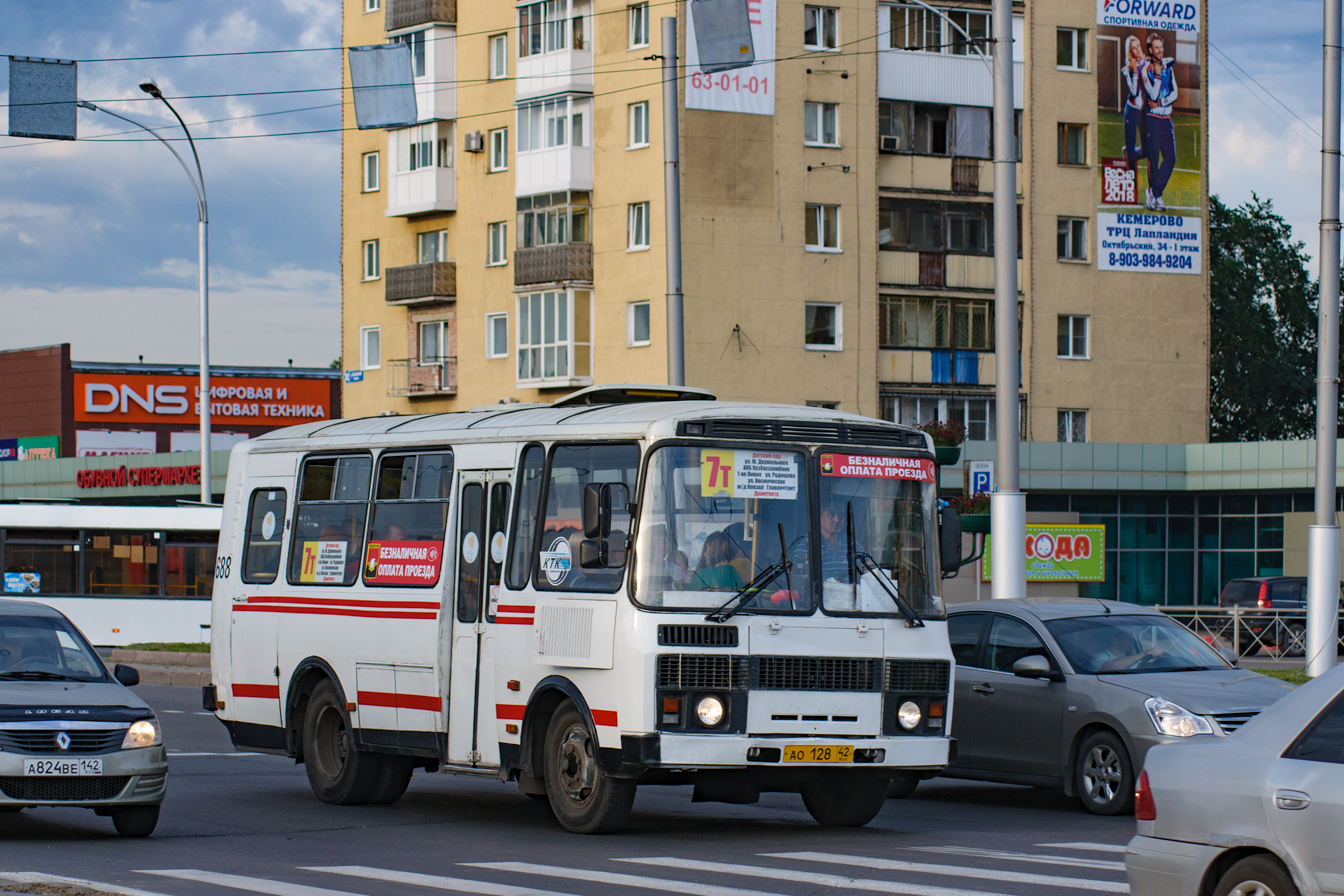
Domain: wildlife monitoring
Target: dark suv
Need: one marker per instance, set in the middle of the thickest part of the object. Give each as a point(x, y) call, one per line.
point(1286, 629)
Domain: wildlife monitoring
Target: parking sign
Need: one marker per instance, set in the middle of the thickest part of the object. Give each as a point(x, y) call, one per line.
point(981, 476)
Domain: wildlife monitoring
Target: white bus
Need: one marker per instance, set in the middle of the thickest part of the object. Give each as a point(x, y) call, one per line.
point(634, 585)
point(124, 575)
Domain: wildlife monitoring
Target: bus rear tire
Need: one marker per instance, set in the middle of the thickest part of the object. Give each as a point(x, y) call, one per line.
point(394, 776)
point(337, 771)
point(844, 800)
point(584, 799)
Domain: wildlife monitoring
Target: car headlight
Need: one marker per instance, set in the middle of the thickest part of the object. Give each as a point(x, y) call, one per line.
point(1173, 720)
point(144, 733)
point(909, 715)
point(709, 711)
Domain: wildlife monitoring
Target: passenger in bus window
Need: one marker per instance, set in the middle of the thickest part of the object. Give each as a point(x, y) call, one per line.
point(835, 543)
point(736, 533)
point(715, 570)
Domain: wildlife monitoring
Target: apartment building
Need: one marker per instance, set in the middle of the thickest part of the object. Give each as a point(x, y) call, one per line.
point(837, 226)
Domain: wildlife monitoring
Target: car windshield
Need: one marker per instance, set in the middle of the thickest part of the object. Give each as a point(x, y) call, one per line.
point(713, 519)
point(890, 499)
point(45, 647)
point(1120, 644)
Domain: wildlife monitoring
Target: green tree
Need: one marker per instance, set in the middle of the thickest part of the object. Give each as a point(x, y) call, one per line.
point(1262, 323)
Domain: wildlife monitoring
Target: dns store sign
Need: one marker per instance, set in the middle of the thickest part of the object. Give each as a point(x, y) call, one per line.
point(150, 398)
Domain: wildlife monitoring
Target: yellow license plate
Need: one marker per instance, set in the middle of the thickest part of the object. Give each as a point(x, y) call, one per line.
point(819, 753)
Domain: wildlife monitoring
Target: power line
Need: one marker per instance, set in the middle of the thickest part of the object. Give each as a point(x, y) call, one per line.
point(1270, 108)
point(1269, 92)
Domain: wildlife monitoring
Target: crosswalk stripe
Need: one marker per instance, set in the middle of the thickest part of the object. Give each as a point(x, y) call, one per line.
point(1087, 847)
point(36, 877)
point(250, 884)
point(175, 754)
point(434, 881)
point(809, 877)
point(1098, 864)
point(621, 880)
point(1077, 883)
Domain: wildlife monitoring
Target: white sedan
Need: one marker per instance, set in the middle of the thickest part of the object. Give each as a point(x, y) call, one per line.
point(1259, 813)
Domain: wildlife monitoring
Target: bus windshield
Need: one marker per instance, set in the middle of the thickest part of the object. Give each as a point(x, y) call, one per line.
point(713, 519)
point(890, 501)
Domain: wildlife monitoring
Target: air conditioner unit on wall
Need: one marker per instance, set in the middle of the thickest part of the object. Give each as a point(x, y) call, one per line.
point(474, 142)
point(888, 143)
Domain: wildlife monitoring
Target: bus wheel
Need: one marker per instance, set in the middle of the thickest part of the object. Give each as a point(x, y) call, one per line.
point(394, 775)
point(844, 800)
point(584, 799)
point(337, 771)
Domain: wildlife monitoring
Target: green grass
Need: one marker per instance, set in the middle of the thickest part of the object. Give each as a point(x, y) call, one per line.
point(1183, 192)
point(1293, 676)
point(173, 646)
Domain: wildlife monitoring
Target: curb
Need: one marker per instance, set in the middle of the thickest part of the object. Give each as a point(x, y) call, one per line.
point(176, 677)
point(160, 658)
point(163, 667)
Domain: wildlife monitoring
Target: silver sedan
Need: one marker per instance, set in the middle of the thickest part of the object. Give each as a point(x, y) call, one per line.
point(1258, 814)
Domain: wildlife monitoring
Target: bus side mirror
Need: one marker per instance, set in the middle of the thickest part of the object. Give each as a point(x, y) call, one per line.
point(598, 500)
point(949, 539)
point(602, 553)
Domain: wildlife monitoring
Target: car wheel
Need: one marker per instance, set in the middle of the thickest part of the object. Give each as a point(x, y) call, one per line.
point(902, 786)
point(1103, 776)
point(584, 799)
point(1294, 642)
point(135, 821)
point(843, 800)
point(1256, 876)
point(337, 771)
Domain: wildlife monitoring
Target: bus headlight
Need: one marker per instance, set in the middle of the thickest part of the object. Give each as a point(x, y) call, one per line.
point(909, 715)
point(709, 711)
point(144, 733)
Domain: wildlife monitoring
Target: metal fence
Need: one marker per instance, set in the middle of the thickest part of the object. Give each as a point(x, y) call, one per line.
point(1249, 630)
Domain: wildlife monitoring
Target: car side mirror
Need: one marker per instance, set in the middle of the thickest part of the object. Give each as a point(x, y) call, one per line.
point(1035, 666)
point(949, 540)
point(127, 675)
point(1229, 655)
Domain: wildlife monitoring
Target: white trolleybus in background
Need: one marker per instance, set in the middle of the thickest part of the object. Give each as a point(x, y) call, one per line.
point(634, 585)
point(123, 575)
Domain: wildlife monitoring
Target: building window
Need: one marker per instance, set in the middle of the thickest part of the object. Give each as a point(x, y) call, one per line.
point(962, 227)
point(637, 323)
point(639, 25)
point(966, 229)
point(1073, 336)
point(554, 336)
point(916, 28)
point(639, 125)
point(427, 146)
point(822, 228)
point(1073, 144)
point(497, 335)
point(371, 260)
point(370, 348)
point(823, 330)
point(638, 226)
point(373, 5)
point(934, 130)
point(1072, 426)
point(1071, 49)
point(551, 123)
point(919, 322)
point(823, 405)
point(499, 150)
point(433, 343)
point(542, 28)
point(433, 246)
point(372, 181)
point(497, 251)
point(1073, 239)
point(820, 124)
point(499, 56)
point(553, 218)
point(416, 41)
point(973, 412)
point(820, 28)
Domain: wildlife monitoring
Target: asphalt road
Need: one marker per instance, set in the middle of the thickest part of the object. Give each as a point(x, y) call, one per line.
point(236, 823)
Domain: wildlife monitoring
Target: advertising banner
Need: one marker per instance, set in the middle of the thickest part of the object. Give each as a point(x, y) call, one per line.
point(9, 449)
point(40, 448)
point(1059, 553)
point(750, 89)
point(863, 466)
point(404, 562)
point(1150, 142)
point(749, 474)
point(108, 398)
point(23, 583)
point(323, 562)
point(101, 443)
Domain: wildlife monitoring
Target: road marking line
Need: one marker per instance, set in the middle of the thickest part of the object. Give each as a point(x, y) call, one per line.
point(173, 754)
point(620, 880)
point(35, 877)
point(251, 884)
point(809, 877)
point(1098, 864)
point(1090, 847)
point(434, 881)
point(1078, 883)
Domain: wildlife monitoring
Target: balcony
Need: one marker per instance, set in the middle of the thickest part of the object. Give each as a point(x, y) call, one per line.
point(553, 264)
point(431, 283)
point(421, 377)
point(409, 13)
point(553, 169)
point(940, 78)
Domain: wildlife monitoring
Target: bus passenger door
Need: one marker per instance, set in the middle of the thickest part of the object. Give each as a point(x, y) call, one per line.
point(253, 632)
point(483, 506)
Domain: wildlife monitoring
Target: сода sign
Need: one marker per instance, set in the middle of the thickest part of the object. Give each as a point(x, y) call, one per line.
point(153, 398)
point(1059, 553)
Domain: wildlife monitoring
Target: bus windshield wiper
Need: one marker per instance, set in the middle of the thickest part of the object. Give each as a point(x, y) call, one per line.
point(762, 581)
point(866, 564)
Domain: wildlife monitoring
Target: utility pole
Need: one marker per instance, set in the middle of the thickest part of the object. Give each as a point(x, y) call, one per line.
point(676, 344)
point(1323, 537)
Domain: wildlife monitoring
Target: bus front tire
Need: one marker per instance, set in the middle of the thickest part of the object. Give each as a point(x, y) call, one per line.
point(844, 800)
point(585, 799)
point(338, 772)
point(394, 776)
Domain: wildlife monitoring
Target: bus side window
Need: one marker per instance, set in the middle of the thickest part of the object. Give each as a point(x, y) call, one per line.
point(265, 525)
point(410, 518)
point(329, 520)
point(525, 512)
point(573, 467)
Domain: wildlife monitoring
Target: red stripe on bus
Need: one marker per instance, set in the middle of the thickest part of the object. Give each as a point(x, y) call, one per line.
point(514, 608)
point(262, 691)
point(511, 711)
point(333, 611)
point(344, 602)
point(514, 620)
point(399, 701)
point(604, 717)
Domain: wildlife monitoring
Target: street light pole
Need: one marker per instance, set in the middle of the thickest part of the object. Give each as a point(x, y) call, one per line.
point(203, 260)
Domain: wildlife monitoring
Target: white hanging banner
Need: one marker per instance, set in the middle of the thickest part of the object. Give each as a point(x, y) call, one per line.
point(750, 89)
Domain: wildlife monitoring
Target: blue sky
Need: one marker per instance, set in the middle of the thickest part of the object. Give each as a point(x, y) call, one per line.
point(98, 239)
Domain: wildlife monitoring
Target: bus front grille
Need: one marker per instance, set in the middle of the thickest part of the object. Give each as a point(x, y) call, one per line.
point(690, 671)
point(918, 676)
